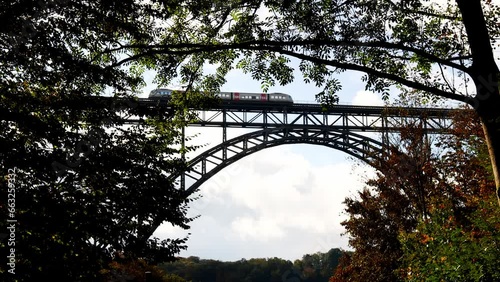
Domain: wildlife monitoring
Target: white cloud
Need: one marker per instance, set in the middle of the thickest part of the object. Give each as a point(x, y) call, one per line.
point(367, 98)
point(261, 229)
point(275, 202)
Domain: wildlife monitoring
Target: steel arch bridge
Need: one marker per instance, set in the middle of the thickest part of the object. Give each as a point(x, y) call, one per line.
point(339, 127)
point(207, 164)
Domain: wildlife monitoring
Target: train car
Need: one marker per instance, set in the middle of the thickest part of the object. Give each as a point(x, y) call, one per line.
point(160, 93)
point(234, 97)
point(255, 98)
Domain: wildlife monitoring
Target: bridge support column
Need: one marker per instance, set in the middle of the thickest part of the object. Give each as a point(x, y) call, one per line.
point(224, 134)
point(385, 135)
point(183, 175)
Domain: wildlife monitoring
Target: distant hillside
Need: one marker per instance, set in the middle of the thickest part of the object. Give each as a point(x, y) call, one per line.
point(316, 267)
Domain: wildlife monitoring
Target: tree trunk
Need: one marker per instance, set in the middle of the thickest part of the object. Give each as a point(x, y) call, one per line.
point(489, 112)
point(485, 75)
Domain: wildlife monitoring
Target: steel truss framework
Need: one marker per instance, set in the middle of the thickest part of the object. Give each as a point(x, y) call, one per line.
point(352, 118)
point(215, 159)
point(339, 127)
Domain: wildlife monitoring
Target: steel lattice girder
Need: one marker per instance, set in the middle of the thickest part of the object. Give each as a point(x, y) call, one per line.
point(352, 118)
point(334, 127)
point(215, 159)
point(310, 124)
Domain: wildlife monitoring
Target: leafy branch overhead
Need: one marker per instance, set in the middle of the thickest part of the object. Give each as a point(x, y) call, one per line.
point(435, 50)
point(409, 43)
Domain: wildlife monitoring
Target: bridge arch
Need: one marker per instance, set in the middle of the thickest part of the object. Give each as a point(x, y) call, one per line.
point(207, 164)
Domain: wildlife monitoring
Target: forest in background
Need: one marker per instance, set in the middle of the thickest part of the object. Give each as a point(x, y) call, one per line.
point(317, 267)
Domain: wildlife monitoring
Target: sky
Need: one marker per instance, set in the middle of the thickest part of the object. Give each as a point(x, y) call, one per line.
point(284, 201)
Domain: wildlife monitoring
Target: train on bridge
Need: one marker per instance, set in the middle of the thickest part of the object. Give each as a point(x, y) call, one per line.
point(281, 101)
point(234, 97)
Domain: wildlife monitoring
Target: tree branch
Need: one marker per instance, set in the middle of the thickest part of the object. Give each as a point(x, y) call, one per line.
point(445, 80)
point(478, 37)
point(422, 13)
point(368, 70)
point(188, 48)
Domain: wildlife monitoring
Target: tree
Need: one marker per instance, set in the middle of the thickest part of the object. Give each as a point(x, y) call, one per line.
point(439, 51)
point(344, 270)
point(446, 249)
point(79, 185)
point(136, 270)
point(316, 267)
point(391, 203)
point(428, 215)
point(458, 240)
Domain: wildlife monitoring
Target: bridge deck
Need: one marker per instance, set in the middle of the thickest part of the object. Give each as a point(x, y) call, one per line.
point(346, 117)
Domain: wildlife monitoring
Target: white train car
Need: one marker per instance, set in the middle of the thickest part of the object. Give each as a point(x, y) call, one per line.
point(234, 97)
